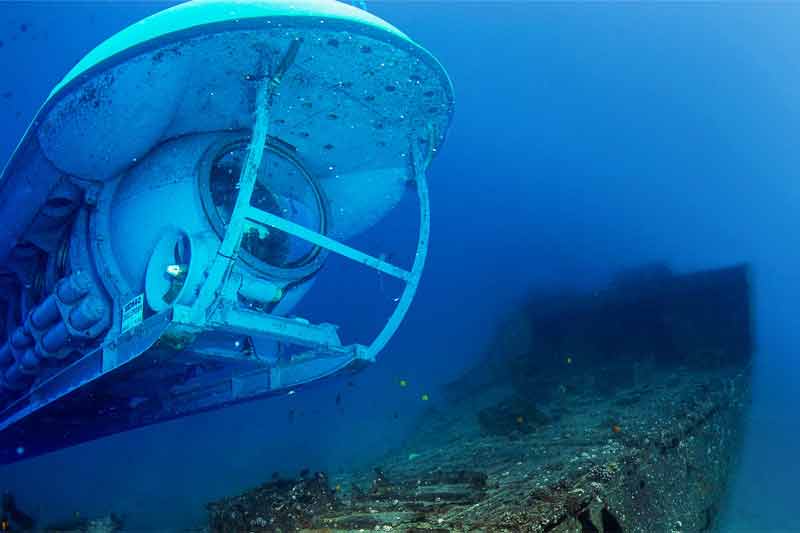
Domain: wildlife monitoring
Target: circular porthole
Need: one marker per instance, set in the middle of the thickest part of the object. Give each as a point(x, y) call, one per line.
point(283, 188)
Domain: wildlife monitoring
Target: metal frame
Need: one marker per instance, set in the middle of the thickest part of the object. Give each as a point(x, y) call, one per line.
point(165, 334)
point(303, 268)
point(210, 306)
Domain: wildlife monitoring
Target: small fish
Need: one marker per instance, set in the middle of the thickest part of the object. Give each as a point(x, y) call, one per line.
point(304, 473)
point(520, 420)
point(403, 383)
point(425, 397)
point(291, 416)
point(396, 415)
point(339, 399)
point(338, 487)
point(276, 475)
point(569, 359)
point(615, 428)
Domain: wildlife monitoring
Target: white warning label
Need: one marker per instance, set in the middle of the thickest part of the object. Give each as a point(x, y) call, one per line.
point(133, 313)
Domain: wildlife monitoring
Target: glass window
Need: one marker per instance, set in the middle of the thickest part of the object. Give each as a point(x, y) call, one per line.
point(283, 189)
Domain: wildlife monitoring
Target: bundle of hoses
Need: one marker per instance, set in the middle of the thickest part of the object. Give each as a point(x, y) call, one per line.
point(48, 331)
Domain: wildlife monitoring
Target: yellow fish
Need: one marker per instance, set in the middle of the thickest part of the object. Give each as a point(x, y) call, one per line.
point(403, 383)
point(425, 397)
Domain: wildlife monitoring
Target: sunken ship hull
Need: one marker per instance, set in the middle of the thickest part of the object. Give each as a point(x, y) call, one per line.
point(563, 427)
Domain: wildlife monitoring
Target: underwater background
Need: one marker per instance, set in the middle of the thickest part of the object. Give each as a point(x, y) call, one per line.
point(588, 138)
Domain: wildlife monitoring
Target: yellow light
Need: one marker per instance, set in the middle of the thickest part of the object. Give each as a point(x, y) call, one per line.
point(176, 270)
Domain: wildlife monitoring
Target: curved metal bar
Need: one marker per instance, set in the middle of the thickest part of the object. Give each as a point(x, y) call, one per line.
point(412, 282)
point(411, 278)
point(229, 248)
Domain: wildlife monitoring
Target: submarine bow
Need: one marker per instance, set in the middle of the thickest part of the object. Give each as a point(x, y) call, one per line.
point(176, 196)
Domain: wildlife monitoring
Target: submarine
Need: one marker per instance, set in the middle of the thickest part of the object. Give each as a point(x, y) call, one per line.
point(176, 196)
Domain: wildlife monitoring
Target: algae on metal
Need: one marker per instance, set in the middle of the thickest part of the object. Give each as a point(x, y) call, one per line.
point(652, 451)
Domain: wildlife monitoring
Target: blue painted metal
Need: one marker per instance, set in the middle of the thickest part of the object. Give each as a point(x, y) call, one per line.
point(144, 251)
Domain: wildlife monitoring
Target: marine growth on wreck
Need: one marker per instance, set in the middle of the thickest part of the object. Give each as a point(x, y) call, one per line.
point(568, 425)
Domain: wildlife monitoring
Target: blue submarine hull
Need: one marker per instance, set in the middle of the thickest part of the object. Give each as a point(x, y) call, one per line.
point(177, 194)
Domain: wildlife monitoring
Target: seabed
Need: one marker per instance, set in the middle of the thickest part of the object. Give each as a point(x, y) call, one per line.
point(581, 433)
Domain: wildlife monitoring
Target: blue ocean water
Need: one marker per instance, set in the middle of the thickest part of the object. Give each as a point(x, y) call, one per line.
point(587, 138)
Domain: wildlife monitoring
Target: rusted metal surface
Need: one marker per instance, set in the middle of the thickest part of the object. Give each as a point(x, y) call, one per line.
point(582, 439)
point(665, 469)
point(659, 465)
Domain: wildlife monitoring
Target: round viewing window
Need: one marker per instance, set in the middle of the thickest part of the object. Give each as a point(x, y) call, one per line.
point(283, 188)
